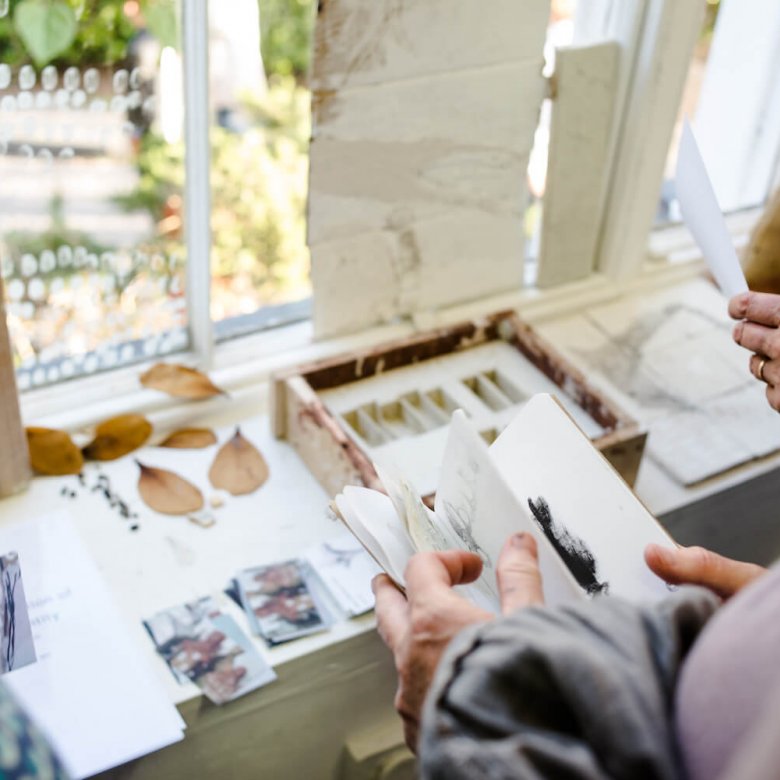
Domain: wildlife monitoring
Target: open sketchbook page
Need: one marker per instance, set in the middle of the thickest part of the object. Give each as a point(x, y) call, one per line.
point(395, 527)
point(586, 510)
point(371, 516)
point(475, 499)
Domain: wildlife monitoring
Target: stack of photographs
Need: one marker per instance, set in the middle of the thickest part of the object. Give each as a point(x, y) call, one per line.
point(203, 645)
point(283, 601)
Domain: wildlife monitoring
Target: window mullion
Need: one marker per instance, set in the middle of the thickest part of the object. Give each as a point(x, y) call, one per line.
point(197, 188)
point(658, 37)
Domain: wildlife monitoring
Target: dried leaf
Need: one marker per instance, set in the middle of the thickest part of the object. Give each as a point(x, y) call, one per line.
point(53, 452)
point(190, 439)
point(180, 381)
point(238, 467)
point(167, 492)
point(118, 436)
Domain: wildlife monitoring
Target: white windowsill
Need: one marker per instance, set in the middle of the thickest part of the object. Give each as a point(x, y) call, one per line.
point(243, 366)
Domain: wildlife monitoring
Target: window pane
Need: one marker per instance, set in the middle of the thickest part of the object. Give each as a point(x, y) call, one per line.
point(668, 207)
point(259, 56)
point(91, 174)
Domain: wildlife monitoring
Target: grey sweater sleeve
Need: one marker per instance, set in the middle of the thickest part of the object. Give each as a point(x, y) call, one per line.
point(571, 692)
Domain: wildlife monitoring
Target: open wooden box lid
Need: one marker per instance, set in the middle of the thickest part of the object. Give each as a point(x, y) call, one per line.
point(392, 402)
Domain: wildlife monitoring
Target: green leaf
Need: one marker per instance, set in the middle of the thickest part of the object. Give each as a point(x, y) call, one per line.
point(47, 28)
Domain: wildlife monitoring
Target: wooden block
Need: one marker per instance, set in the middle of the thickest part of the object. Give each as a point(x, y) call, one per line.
point(486, 108)
point(421, 114)
point(451, 247)
point(14, 459)
point(420, 266)
point(357, 281)
point(357, 186)
point(578, 169)
point(358, 43)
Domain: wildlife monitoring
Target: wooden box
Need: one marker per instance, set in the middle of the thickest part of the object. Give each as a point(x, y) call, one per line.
point(392, 402)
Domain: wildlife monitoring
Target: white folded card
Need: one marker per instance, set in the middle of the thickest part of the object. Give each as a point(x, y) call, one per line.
point(703, 216)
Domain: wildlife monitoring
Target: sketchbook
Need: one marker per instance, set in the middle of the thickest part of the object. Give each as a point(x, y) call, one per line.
point(541, 475)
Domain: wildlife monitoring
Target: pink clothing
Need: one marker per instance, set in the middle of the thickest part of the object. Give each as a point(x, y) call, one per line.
point(729, 689)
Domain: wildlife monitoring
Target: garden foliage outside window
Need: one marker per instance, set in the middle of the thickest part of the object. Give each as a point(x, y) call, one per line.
point(92, 206)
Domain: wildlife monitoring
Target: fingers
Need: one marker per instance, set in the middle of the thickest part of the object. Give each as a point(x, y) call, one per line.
point(762, 308)
point(698, 566)
point(435, 571)
point(391, 611)
point(773, 396)
point(517, 571)
point(758, 338)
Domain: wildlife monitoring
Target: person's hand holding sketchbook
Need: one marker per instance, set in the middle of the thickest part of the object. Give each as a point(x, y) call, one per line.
point(541, 476)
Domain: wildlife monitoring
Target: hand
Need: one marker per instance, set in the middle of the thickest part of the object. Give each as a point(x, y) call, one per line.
point(698, 566)
point(417, 627)
point(758, 332)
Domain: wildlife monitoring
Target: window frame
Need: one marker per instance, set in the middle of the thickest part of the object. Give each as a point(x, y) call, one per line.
point(657, 37)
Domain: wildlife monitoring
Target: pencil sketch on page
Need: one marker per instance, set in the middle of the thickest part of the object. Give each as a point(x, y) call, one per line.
point(460, 511)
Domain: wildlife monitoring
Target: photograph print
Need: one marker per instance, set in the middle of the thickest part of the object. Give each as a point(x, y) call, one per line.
point(16, 645)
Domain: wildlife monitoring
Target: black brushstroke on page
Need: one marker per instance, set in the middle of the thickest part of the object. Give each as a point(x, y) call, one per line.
point(573, 551)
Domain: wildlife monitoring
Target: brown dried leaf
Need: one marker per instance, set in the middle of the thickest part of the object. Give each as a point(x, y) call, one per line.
point(118, 436)
point(190, 439)
point(238, 467)
point(180, 381)
point(53, 452)
point(167, 492)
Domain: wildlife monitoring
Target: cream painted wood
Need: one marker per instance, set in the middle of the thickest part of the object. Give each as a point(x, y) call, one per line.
point(197, 219)
point(737, 121)
point(423, 120)
point(661, 57)
point(586, 80)
point(619, 21)
point(359, 43)
point(305, 725)
point(14, 461)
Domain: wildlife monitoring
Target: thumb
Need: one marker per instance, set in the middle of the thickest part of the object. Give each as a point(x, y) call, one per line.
point(519, 579)
point(698, 566)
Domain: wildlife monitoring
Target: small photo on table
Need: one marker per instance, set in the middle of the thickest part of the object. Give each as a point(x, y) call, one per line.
point(282, 601)
point(17, 648)
point(203, 645)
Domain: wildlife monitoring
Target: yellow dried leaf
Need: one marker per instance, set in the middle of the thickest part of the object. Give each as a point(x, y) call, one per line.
point(238, 468)
point(118, 436)
point(180, 381)
point(166, 492)
point(190, 439)
point(53, 452)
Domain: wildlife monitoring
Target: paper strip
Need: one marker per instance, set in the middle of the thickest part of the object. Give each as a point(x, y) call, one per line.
point(703, 216)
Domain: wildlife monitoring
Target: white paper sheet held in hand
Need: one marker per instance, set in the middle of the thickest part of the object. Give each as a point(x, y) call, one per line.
point(703, 216)
point(543, 476)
